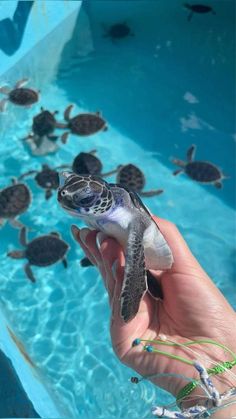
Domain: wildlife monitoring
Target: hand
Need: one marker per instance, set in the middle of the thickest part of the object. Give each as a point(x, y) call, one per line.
point(192, 309)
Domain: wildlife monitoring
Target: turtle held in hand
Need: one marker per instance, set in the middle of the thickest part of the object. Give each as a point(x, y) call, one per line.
point(132, 177)
point(119, 213)
point(14, 200)
point(83, 124)
point(198, 8)
point(42, 251)
point(19, 95)
point(201, 171)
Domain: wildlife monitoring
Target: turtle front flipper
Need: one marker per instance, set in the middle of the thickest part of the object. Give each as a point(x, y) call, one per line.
point(29, 272)
point(135, 280)
point(16, 223)
point(3, 104)
point(23, 237)
point(85, 262)
point(48, 194)
point(21, 83)
point(191, 153)
point(153, 192)
point(64, 262)
point(64, 137)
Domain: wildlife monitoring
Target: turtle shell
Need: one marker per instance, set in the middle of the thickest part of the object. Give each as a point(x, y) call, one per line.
point(48, 178)
point(23, 96)
point(203, 171)
point(200, 8)
point(86, 124)
point(46, 250)
point(86, 164)
point(119, 30)
point(43, 123)
point(131, 177)
point(14, 200)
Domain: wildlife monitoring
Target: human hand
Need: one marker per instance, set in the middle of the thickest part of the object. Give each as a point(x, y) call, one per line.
point(192, 309)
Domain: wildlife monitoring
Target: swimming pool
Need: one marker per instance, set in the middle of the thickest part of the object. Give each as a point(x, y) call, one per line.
point(166, 87)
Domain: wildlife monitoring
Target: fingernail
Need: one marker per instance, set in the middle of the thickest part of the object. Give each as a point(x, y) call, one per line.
point(75, 231)
point(114, 268)
point(83, 234)
point(100, 237)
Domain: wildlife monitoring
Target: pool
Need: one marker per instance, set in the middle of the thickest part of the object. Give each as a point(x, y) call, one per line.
point(167, 86)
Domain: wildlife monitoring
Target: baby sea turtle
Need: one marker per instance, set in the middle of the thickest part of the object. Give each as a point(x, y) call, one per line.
point(14, 200)
point(44, 124)
point(117, 31)
point(201, 171)
point(19, 95)
point(42, 251)
point(132, 177)
point(46, 178)
point(83, 124)
point(198, 8)
point(119, 213)
point(89, 164)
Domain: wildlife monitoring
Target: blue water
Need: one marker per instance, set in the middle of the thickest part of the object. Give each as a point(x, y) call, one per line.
point(161, 90)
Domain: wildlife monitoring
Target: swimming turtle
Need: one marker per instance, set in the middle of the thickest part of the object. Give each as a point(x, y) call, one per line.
point(119, 212)
point(19, 95)
point(46, 178)
point(201, 171)
point(198, 8)
point(117, 31)
point(14, 200)
point(83, 124)
point(132, 177)
point(44, 124)
point(43, 251)
point(89, 164)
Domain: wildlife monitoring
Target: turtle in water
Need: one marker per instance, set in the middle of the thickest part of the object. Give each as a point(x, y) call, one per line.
point(42, 251)
point(198, 8)
point(44, 124)
point(83, 124)
point(46, 178)
point(132, 177)
point(119, 212)
point(19, 95)
point(89, 164)
point(201, 171)
point(117, 31)
point(14, 200)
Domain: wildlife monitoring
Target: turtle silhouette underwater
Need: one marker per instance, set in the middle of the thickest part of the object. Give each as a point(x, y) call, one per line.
point(43, 251)
point(132, 177)
point(200, 171)
point(14, 201)
point(44, 124)
point(83, 124)
point(46, 178)
point(117, 31)
point(198, 8)
point(19, 95)
point(119, 213)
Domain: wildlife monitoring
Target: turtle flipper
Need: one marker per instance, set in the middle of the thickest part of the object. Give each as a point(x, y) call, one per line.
point(135, 280)
point(48, 194)
point(67, 112)
point(154, 288)
point(2, 222)
point(153, 192)
point(21, 83)
point(191, 153)
point(64, 137)
point(16, 223)
point(23, 236)
point(29, 272)
point(218, 184)
point(3, 104)
point(86, 262)
point(16, 254)
point(64, 262)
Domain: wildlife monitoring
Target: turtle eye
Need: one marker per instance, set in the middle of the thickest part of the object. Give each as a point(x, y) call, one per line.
point(84, 202)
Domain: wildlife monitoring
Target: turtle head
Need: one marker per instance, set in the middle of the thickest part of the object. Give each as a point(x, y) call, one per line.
point(84, 195)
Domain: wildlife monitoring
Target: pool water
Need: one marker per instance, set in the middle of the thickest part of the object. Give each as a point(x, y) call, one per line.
point(166, 87)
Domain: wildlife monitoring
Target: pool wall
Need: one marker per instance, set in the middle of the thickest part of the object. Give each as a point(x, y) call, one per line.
point(25, 394)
